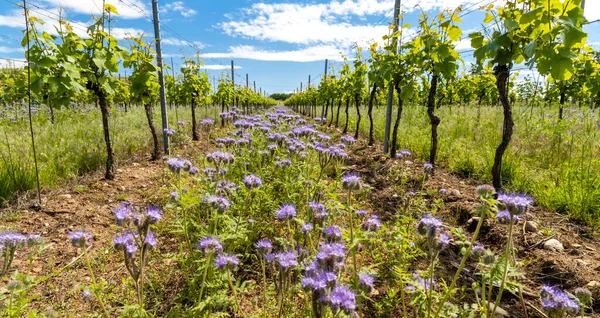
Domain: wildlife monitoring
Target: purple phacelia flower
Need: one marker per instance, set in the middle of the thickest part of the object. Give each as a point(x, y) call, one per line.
point(252, 181)
point(150, 240)
point(209, 245)
point(366, 282)
point(78, 238)
point(351, 181)
point(227, 262)
point(307, 228)
point(332, 233)
point(342, 298)
point(286, 212)
point(264, 246)
point(515, 204)
point(373, 223)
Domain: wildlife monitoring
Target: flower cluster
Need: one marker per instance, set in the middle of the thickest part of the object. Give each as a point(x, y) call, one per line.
point(176, 165)
point(286, 212)
point(136, 236)
point(557, 303)
point(252, 181)
point(431, 228)
point(221, 204)
point(513, 204)
point(351, 181)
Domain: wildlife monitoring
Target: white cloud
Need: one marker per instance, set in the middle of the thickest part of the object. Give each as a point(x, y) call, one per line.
point(14, 19)
point(463, 44)
point(5, 49)
point(12, 63)
point(128, 9)
point(310, 54)
point(178, 42)
point(307, 23)
point(592, 10)
point(325, 23)
point(179, 6)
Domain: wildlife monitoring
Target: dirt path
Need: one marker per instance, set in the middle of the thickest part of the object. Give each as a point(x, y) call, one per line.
point(578, 265)
point(85, 204)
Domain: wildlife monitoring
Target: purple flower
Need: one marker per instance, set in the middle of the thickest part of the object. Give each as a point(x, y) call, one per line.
point(78, 238)
point(403, 153)
point(193, 170)
point(477, 250)
point(307, 228)
point(443, 240)
point(365, 282)
point(87, 295)
point(372, 224)
point(176, 164)
point(332, 233)
point(123, 212)
point(154, 214)
point(126, 241)
point(227, 187)
point(361, 213)
point(284, 163)
point(515, 204)
point(342, 298)
point(351, 181)
point(181, 122)
point(264, 246)
point(219, 157)
point(557, 303)
point(174, 195)
point(428, 167)
point(169, 131)
point(429, 226)
point(286, 260)
point(209, 245)
point(286, 212)
point(150, 240)
point(347, 139)
point(330, 253)
point(318, 209)
point(504, 217)
point(252, 181)
point(225, 261)
point(13, 240)
point(221, 204)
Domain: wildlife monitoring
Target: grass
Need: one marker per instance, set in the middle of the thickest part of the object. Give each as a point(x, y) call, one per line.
point(74, 144)
point(556, 162)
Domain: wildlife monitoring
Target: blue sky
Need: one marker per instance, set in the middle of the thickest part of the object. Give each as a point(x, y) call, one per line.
point(278, 43)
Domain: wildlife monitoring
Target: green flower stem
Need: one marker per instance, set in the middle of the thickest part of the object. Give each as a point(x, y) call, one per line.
point(352, 232)
point(429, 290)
point(237, 303)
point(89, 266)
point(403, 298)
point(264, 274)
point(203, 281)
point(460, 268)
point(507, 257)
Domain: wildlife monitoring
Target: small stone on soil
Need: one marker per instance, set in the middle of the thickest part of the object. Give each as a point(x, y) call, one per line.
point(500, 312)
point(531, 226)
point(593, 284)
point(581, 262)
point(554, 245)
